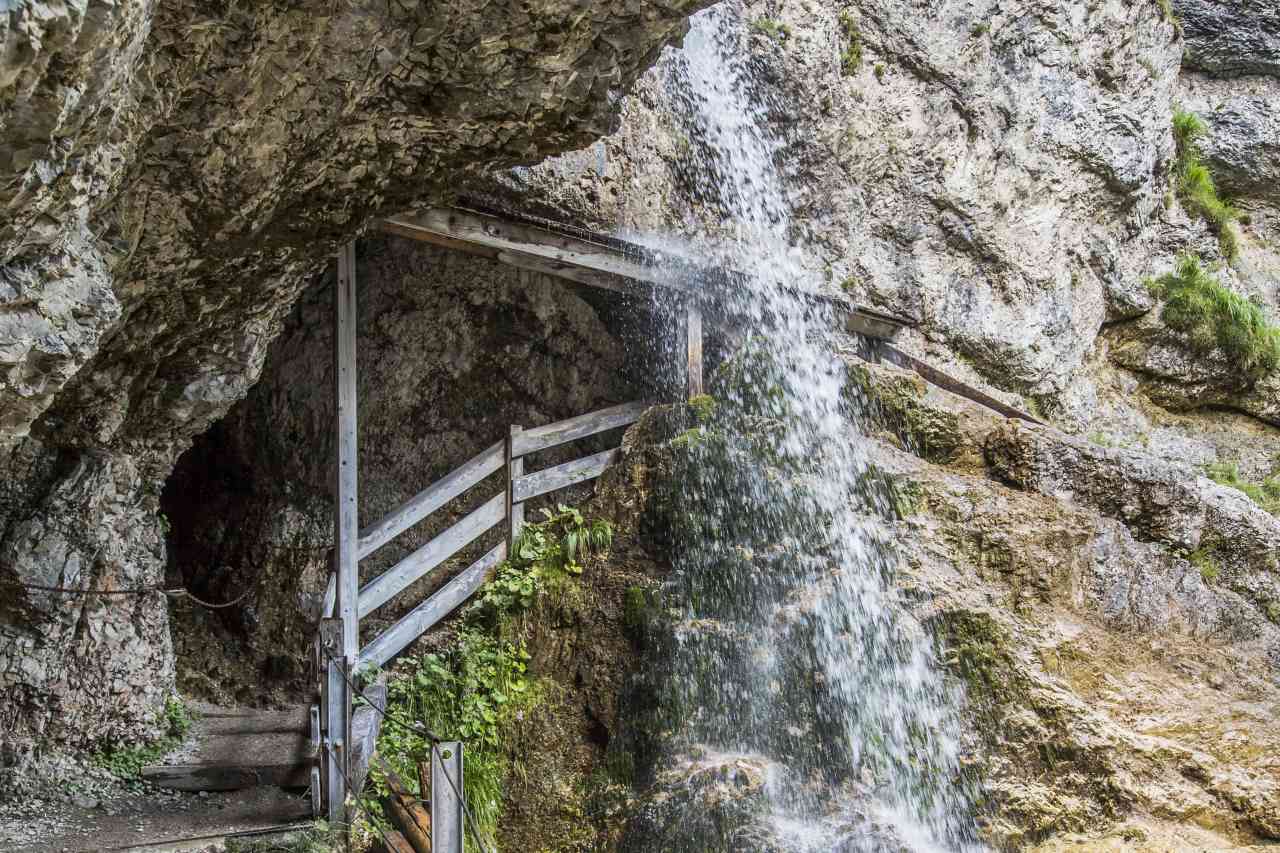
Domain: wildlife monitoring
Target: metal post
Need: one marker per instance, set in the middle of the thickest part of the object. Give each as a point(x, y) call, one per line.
point(334, 713)
point(446, 804)
point(515, 511)
point(693, 334)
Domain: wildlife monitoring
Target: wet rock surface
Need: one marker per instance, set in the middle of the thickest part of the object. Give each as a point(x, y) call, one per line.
point(1231, 37)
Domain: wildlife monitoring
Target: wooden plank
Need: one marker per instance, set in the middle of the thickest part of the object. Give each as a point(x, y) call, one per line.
point(346, 526)
point(404, 809)
point(550, 479)
point(394, 580)
point(394, 842)
point(503, 235)
point(515, 468)
point(693, 337)
point(419, 620)
point(227, 777)
point(431, 498)
point(897, 357)
point(552, 435)
point(446, 797)
point(577, 274)
point(872, 325)
point(366, 722)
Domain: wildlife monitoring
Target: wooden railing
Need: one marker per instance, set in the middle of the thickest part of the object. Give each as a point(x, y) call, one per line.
point(507, 506)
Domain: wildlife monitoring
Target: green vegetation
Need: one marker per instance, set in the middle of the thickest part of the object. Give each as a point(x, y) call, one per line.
point(479, 686)
point(1202, 558)
point(879, 71)
point(980, 29)
point(776, 30)
point(703, 406)
point(1211, 316)
point(1167, 14)
point(126, 762)
point(1195, 184)
point(851, 56)
point(1265, 494)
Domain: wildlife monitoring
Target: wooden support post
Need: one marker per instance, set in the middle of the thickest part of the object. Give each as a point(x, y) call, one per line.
point(693, 334)
point(515, 509)
point(334, 723)
point(446, 797)
point(346, 524)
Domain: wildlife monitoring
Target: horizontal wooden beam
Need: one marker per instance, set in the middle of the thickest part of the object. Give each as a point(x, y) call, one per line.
point(227, 777)
point(552, 435)
point(419, 620)
point(430, 499)
point(550, 479)
point(391, 582)
point(597, 260)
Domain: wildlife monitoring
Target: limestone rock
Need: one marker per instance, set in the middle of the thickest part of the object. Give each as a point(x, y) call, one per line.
point(1231, 36)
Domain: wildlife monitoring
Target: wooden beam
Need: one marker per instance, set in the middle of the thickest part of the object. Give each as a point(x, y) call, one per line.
point(391, 582)
point(432, 498)
point(897, 357)
point(346, 527)
point(693, 340)
point(226, 777)
point(405, 810)
point(561, 432)
point(550, 479)
point(443, 602)
point(599, 261)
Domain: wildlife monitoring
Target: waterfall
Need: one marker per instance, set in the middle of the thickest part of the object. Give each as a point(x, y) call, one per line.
point(792, 645)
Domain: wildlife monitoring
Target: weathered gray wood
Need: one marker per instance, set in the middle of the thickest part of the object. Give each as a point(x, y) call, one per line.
point(431, 498)
point(366, 722)
point(443, 602)
point(346, 525)
point(550, 479)
point(226, 777)
point(515, 468)
point(551, 435)
point(897, 357)
point(693, 339)
point(503, 235)
point(394, 580)
point(446, 797)
point(599, 261)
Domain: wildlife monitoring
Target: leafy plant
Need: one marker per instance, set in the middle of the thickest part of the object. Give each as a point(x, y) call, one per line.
point(1265, 494)
point(1195, 183)
point(1211, 316)
point(467, 693)
point(1202, 558)
point(851, 56)
point(127, 761)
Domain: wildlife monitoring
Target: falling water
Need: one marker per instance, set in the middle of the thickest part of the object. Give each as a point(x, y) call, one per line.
point(794, 647)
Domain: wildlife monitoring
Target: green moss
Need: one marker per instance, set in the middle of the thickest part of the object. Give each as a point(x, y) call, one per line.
point(1265, 494)
point(1195, 185)
point(127, 761)
point(852, 284)
point(977, 648)
point(980, 29)
point(1272, 609)
point(879, 71)
point(906, 496)
point(1202, 558)
point(479, 688)
point(770, 28)
point(703, 406)
point(851, 55)
point(1212, 316)
point(689, 439)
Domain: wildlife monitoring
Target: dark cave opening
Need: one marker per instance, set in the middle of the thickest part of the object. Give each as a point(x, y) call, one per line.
point(452, 350)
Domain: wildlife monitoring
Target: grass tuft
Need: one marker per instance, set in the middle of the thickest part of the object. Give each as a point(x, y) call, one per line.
point(776, 30)
point(851, 56)
point(126, 761)
point(1195, 183)
point(1265, 494)
point(1214, 317)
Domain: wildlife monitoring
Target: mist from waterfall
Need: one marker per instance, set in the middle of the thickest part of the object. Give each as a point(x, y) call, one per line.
point(793, 646)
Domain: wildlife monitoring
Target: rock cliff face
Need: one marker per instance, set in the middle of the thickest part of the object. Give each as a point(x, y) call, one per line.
point(173, 174)
point(999, 171)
